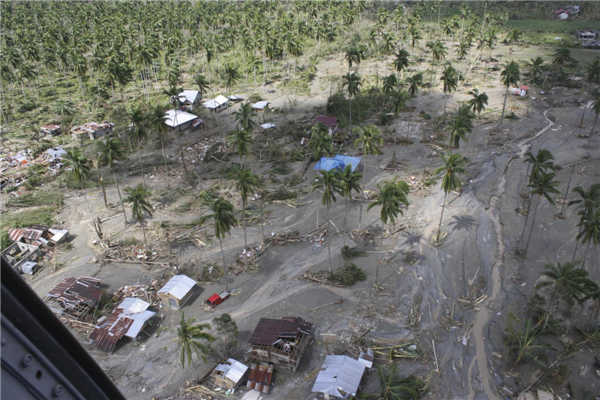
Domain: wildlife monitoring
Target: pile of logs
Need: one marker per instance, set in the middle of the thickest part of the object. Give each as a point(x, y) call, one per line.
point(322, 277)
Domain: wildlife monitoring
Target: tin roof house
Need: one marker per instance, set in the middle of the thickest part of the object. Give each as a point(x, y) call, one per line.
point(180, 120)
point(217, 104)
point(330, 122)
point(92, 129)
point(228, 374)
point(260, 106)
point(51, 130)
point(128, 319)
point(339, 377)
point(177, 291)
point(74, 296)
point(190, 97)
point(280, 341)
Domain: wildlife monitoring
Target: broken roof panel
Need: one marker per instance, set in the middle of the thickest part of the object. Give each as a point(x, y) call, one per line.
point(340, 376)
point(232, 370)
point(260, 377)
point(329, 121)
point(82, 290)
point(178, 286)
point(269, 330)
point(56, 152)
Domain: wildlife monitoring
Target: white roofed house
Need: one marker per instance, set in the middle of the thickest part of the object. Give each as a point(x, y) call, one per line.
point(228, 374)
point(177, 291)
point(260, 106)
point(217, 104)
point(339, 377)
point(190, 97)
point(180, 120)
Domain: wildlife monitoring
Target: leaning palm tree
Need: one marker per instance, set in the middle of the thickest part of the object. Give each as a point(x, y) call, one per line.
point(110, 150)
point(245, 117)
point(588, 202)
point(454, 165)
point(565, 281)
point(510, 76)
point(589, 231)
point(140, 205)
point(328, 182)
point(224, 220)
point(391, 198)
point(246, 183)
point(241, 141)
point(80, 171)
point(191, 338)
point(595, 110)
point(349, 182)
point(369, 140)
point(478, 102)
point(543, 185)
point(320, 142)
point(414, 83)
point(353, 82)
point(460, 126)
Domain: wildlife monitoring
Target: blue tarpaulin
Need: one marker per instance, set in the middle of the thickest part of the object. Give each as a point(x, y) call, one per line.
point(339, 161)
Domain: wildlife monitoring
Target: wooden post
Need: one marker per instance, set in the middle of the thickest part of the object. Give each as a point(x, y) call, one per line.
point(103, 191)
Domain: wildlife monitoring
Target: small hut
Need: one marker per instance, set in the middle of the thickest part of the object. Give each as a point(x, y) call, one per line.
point(177, 291)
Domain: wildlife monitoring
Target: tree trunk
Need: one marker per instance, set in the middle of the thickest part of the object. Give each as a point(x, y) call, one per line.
point(329, 239)
point(585, 254)
point(103, 191)
point(162, 146)
point(592, 131)
point(576, 246)
point(532, 223)
point(120, 198)
point(351, 115)
point(526, 217)
point(244, 223)
point(140, 161)
point(143, 222)
point(441, 217)
point(582, 115)
point(361, 193)
point(90, 212)
point(224, 264)
point(567, 192)
point(408, 127)
point(504, 107)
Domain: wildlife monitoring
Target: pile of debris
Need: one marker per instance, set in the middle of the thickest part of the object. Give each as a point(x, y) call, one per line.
point(116, 253)
point(322, 277)
point(83, 328)
point(145, 292)
point(420, 182)
point(282, 238)
point(365, 196)
point(246, 261)
point(363, 236)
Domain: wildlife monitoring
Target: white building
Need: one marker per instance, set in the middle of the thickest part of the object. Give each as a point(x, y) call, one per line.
point(190, 97)
point(339, 377)
point(180, 120)
point(217, 104)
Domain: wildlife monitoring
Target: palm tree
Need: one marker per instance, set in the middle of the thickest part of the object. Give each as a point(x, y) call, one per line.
point(157, 123)
point(596, 110)
point(353, 82)
point(349, 181)
point(401, 61)
point(391, 198)
point(565, 281)
point(438, 53)
point(389, 84)
point(328, 182)
point(414, 82)
point(399, 100)
point(589, 231)
point(246, 183)
point(320, 141)
point(454, 165)
point(231, 76)
point(244, 117)
point(241, 141)
point(224, 220)
point(80, 171)
point(191, 338)
point(369, 140)
point(560, 58)
point(109, 150)
point(510, 76)
point(137, 128)
point(140, 205)
point(460, 126)
point(535, 68)
point(202, 83)
point(543, 184)
point(589, 202)
point(394, 388)
point(524, 344)
point(478, 102)
point(449, 79)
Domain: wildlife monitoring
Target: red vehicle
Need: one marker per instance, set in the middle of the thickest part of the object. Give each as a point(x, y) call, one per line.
point(217, 299)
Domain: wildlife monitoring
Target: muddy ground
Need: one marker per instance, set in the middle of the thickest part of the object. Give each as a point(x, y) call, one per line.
point(476, 259)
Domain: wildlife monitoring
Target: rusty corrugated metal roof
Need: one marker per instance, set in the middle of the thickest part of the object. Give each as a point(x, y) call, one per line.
point(82, 290)
point(260, 378)
point(269, 330)
point(15, 234)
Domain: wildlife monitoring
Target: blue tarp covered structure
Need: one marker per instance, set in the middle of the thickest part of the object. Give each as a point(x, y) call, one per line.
point(339, 161)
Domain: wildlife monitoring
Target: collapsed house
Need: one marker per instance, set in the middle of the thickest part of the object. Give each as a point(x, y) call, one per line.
point(74, 296)
point(330, 122)
point(180, 120)
point(228, 374)
point(51, 130)
point(38, 235)
point(128, 319)
point(177, 291)
point(521, 91)
point(338, 162)
point(260, 377)
point(339, 377)
point(217, 104)
point(280, 341)
point(92, 129)
point(22, 255)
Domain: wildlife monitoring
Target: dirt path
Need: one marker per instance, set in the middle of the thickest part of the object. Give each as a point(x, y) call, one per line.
point(483, 315)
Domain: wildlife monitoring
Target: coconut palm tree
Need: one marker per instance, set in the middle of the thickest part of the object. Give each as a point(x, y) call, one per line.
point(589, 230)
point(80, 171)
point(438, 53)
point(349, 181)
point(526, 344)
point(478, 102)
point(245, 117)
point(454, 165)
point(595, 110)
point(241, 141)
point(589, 202)
point(109, 150)
point(460, 126)
point(246, 183)
point(565, 281)
point(140, 205)
point(560, 58)
point(414, 83)
point(369, 140)
point(401, 61)
point(224, 220)
point(510, 76)
point(389, 83)
point(353, 82)
point(137, 129)
point(231, 76)
point(320, 142)
point(400, 99)
point(202, 83)
point(191, 338)
point(535, 68)
point(394, 388)
point(450, 81)
point(543, 184)
point(328, 182)
point(157, 122)
point(391, 198)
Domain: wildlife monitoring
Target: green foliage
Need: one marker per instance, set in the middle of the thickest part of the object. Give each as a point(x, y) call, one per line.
point(38, 198)
point(348, 275)
point(348, 253)
point(26, 218)
point(130, 241)
point(4, 240)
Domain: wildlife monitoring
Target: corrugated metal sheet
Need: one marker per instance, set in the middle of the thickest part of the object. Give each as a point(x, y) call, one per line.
point(340, 376)
point(237, 371)
point(260, 105)
point(15, 234)
point(139, 320)
point(329, 121)
point(175, 118)
point(269, 330)
point(260, 378)
point(132, 305)
point(178, 286)
point(81, 290)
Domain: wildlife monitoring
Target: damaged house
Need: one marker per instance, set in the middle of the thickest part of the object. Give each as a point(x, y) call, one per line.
point(51, 130)
point(128, 319)
point(22, 255)
point(339, 377)
point(92, 129)
point(74, 296)
point(228, 374)
point(280, 341)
